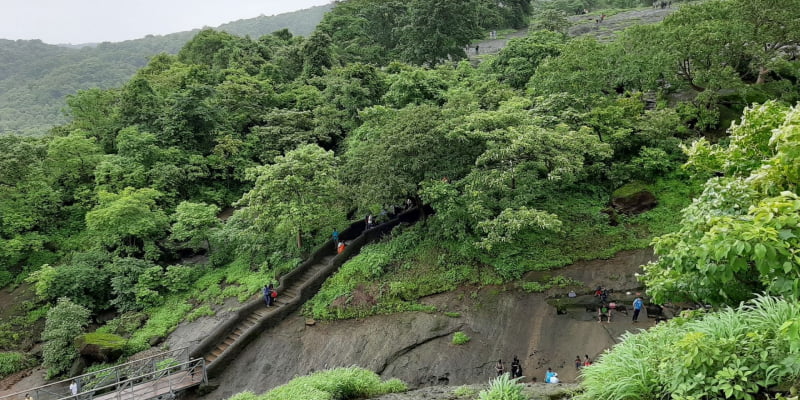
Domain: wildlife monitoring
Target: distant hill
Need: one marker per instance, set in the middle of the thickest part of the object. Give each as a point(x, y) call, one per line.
point(36, 77)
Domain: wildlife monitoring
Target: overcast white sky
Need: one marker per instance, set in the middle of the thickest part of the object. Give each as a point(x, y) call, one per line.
point(85, 21)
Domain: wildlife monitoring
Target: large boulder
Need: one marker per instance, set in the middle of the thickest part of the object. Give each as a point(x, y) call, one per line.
point(633, 198)
point(101, 347)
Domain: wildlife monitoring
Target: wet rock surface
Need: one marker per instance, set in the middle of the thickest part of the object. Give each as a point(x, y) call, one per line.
point(417, 348)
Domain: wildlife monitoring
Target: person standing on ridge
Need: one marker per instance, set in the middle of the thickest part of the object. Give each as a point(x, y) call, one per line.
point(637, 307)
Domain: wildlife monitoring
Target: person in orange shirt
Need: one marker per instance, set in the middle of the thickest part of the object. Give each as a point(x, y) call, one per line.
point(340, 248)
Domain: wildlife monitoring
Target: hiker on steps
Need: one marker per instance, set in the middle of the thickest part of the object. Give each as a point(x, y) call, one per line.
point(335, 236)
point(268, 295)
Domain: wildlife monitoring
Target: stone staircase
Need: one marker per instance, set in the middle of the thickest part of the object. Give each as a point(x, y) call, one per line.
point(295, 288)
point(285, 297)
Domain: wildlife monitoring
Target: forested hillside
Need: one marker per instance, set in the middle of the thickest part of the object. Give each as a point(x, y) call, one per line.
point(35, 77)
point(517, 157)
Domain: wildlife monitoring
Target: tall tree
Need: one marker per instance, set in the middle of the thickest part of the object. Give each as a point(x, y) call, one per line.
point(437, 30)
point(128, 223)
point(296, 197)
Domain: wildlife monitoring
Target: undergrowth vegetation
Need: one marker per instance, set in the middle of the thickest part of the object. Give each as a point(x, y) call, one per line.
point(14, 361)
point(119, 209)
point(415, 263)
point(333, 384)
point(732, 353)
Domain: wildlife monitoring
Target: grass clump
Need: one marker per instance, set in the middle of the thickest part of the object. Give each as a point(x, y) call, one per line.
point(333, 384)
point(734, 353)
point(106, 340)
point(464, 391)
point(202, 311)
point(460, 338)
point(452, 314)
point(503, 388)
point(163, 320)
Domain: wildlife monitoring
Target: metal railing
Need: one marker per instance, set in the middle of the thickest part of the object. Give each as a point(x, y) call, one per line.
point(164, 381)
point(95, 383)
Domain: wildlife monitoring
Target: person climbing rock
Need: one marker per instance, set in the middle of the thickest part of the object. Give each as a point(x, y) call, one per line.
point(499, 368)
point(637, 307)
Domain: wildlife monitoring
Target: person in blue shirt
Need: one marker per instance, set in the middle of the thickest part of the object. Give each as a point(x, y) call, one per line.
point(637, 307)
point(549, 375)
point(335, 236)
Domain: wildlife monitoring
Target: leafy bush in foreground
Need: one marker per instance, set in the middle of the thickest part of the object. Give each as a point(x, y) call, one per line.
point(333, 384)
point(734, 353)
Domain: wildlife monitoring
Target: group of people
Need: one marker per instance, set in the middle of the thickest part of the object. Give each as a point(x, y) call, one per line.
point(340, 244)
point(516, 368)
point(582, 363)
point(663, 4)
point(606, 308)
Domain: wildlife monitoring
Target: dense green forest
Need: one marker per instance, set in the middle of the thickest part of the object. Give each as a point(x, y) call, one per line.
point(35, 77)
point(518, 157)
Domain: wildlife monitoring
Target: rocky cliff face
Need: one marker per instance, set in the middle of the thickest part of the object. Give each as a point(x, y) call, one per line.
point(416, 347)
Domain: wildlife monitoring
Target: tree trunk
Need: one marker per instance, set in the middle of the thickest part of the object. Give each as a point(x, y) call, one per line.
point(762, 75)
point(299, 238)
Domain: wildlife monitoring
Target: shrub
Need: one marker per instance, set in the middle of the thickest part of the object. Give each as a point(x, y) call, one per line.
point(460, 338)
point(64, 323)
point(503, 388)
point(452, 314)
point(333, 384)
point(11, 362)
point(734, 353)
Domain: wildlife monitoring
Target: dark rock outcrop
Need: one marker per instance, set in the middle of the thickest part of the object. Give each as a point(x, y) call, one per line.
point(632, 199)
